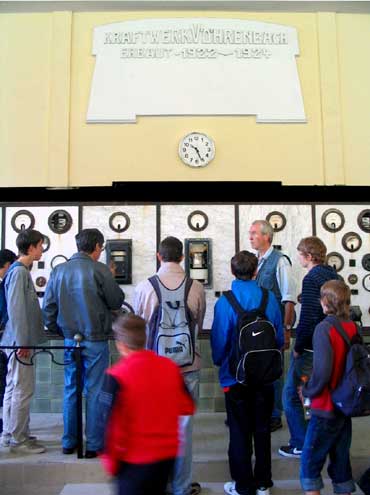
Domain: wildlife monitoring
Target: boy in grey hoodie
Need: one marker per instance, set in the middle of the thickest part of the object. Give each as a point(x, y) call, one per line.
point(24, 327)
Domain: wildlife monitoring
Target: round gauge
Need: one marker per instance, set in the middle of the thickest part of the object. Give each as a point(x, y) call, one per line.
point(22, 220)
point(58, 260)
point(45, 244)
point(366, 262)
point(351, 242)
point(363, 220)
point(40, 281)
point(352, 279)
point(335, 260)
point(198, 220)
point(366, 282)
point(277, 220)
point(332, 220)
point(60, 221)
point(119, 221)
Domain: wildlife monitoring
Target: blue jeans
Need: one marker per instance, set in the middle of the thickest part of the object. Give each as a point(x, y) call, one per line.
point(182, 473)
point(327, 436)
point(302, 365)
point(95, 360)
point(278, 390)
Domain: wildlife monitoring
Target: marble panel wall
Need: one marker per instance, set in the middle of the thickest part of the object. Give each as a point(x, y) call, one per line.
point(352, 260)
point(141, 230)
point(221, 231)
point(60, 244)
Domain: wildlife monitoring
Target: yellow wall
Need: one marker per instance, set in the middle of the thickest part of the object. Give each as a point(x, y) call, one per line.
point(46, 68)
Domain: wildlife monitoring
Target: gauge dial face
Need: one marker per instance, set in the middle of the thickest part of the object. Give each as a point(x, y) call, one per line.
point(363, 220)
point(277, 220)
point(57, 260)
point(366, 262)
point(198, 220)
point(197, 149)
point(352, 279)
point(335, 260)
point(40, 281)
point(366, 282)
point(22, 220)
point(60, 221)
point(119, 221)
point(351, 242)
point(45, 244)
point(332, 220)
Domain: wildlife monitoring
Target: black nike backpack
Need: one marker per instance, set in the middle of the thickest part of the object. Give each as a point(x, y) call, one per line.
point(255, 358)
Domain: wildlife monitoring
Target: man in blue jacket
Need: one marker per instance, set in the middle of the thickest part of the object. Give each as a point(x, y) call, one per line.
point(248, 408)
point(79, 298)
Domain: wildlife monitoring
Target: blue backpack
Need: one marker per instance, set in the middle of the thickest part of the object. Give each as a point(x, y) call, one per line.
point(4, 317)
point(352, 394)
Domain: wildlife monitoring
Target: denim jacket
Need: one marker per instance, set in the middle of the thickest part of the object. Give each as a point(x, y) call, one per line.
point(79, 298)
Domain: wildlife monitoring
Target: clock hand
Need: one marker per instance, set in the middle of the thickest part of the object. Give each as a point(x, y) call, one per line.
point(196, 149)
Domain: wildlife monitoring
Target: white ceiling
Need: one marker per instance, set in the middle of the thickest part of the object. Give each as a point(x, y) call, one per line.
point(361, 6)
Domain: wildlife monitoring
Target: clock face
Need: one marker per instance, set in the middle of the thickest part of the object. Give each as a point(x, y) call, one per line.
point(196, 149)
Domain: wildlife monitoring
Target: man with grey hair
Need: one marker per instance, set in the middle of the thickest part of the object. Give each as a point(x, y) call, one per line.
point(275, 274)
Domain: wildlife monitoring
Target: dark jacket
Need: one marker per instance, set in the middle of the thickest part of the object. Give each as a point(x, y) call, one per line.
point(311, 310)
point(79, 298)
point(329, 357)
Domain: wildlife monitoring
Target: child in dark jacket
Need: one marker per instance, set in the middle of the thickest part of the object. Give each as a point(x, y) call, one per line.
point(329, 431)
point(140, 404)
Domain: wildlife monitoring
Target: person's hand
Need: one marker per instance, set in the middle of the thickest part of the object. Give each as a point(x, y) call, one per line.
point(300, 395)
point(23, 353)
point(287, 336)
point(112, 268)
point(296, 354)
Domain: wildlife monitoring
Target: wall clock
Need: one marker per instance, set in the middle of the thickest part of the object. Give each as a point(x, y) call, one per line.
point(196, 149)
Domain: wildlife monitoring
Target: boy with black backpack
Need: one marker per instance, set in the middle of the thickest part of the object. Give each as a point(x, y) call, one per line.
point(329, 431)
point(246, 338)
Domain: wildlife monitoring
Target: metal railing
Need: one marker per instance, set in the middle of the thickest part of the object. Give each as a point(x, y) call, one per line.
point(77, 356)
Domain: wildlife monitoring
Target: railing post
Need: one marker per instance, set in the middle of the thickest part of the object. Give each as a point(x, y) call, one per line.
point(78, 338)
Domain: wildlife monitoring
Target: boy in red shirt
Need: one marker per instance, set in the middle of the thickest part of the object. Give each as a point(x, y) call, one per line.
point(329, 432)
point(140, 404)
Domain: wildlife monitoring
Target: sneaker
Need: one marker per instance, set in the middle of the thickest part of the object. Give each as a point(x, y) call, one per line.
point(289, 451)
point(195, 488)
point(262, 491)
point(229, 488)
point(27, 448)
point(5, 440)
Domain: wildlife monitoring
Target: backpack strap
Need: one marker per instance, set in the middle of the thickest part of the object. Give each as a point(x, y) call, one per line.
point(287, 257)
point(338, 327)
point(265, 296)
point(154, 281)
point(234, 303)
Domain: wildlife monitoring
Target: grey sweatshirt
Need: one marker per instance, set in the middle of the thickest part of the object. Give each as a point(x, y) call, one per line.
point(25, 326)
